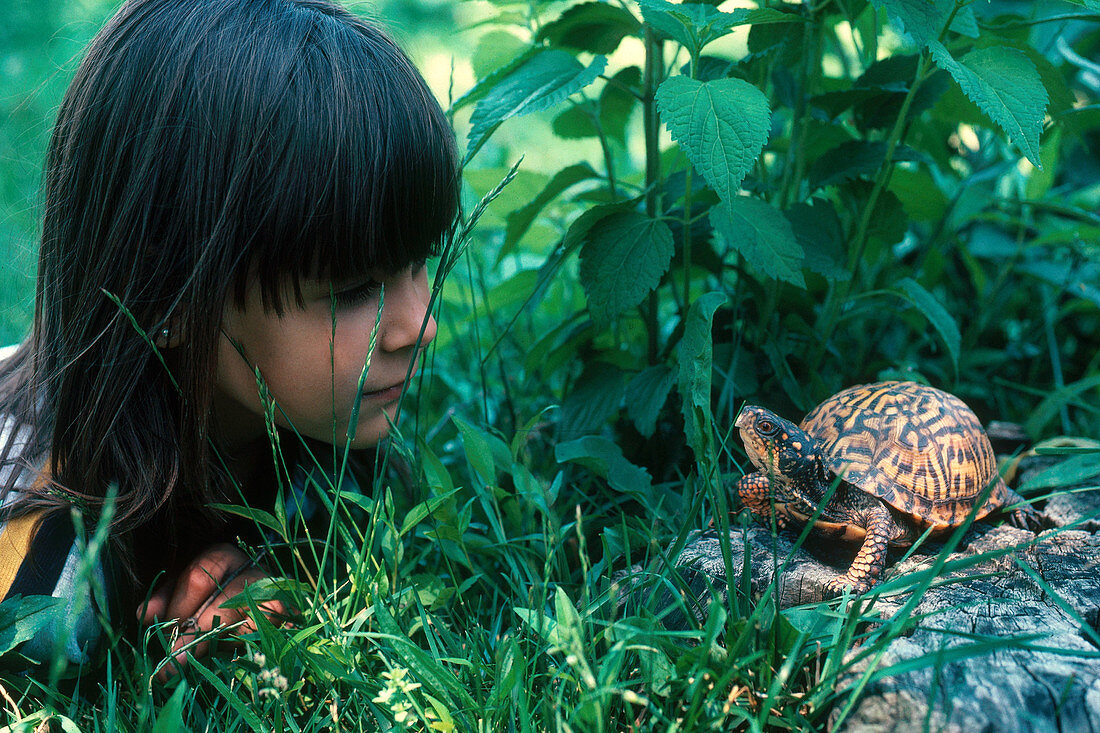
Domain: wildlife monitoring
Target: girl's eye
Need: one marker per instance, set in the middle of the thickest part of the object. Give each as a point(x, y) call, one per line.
point(357, 295)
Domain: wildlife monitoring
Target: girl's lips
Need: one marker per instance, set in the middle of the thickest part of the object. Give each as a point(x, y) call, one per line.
point(387, 394)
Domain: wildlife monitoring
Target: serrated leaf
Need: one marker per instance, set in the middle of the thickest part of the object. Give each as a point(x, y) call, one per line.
point(1005, 84)
point(540, 83)
point(593, 399)
point(818, 230)
point(646, 395)
point(721, 125)
point(853, 159)
point(487, 83)
point(937, 315)
point(923, 20)
point(623, 258)
point(594, 27)
point(694, 25)
point(519, 221)
point(763, 236)
point(577, 233)
point(695, 356)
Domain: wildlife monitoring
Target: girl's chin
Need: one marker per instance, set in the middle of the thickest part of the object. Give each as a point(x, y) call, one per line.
point(373, 430)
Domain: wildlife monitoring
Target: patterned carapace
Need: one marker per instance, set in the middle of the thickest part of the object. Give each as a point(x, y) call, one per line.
point(891, 457)
point(920, 449)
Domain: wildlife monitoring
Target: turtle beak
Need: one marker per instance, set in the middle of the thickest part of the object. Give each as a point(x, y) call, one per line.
point(744, 418)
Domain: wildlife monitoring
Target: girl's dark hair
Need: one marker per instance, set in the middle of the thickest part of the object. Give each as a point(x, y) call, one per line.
point(201, 144)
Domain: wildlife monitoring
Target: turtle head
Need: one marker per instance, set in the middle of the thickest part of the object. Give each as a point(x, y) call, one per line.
point(789, 455)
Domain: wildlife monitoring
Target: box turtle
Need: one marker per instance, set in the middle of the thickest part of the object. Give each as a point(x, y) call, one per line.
point(910, 457)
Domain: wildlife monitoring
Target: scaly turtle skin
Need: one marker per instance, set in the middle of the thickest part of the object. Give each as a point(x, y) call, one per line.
point(903, 457)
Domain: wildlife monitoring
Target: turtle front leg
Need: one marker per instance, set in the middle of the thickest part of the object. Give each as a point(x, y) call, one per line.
point(1024, 516)
point(755, 492)
point(870, 561)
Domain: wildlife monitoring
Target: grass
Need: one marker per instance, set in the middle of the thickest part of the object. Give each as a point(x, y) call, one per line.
point(487, 583)
point(484, 587)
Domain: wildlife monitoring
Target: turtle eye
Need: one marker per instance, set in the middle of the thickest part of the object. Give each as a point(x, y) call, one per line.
point(766, 426)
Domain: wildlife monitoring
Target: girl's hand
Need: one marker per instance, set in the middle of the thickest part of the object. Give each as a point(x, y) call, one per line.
point(194, 600)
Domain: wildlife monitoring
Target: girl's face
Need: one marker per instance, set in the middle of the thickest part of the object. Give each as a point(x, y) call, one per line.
point(313, 373)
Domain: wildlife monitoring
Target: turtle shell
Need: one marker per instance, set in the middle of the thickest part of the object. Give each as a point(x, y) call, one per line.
point(920, 449)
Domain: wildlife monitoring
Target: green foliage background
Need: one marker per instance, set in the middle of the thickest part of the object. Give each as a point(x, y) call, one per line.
point(671, 211)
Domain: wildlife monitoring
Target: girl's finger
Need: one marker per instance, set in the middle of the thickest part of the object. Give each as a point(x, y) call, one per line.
point(155, 608)
point(201, 580)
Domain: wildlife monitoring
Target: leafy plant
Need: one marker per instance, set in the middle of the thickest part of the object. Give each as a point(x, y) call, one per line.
point(702, 205)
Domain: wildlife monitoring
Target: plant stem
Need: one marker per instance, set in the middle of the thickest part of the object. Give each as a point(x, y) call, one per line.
point(686, 234)
point(833, 300)
point(654, 64)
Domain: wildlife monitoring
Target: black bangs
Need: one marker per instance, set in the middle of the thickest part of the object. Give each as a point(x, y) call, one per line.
point(353, 167)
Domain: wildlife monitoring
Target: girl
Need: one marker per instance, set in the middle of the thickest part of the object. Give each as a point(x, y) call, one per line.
point(231, 188)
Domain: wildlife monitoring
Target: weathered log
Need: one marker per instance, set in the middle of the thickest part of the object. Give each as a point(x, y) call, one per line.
point(1051, 682)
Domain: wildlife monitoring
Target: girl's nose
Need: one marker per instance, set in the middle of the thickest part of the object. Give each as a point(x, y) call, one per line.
point(405, 311)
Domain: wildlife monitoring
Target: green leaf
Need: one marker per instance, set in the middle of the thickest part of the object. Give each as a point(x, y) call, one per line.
point(937, 315)
point(1005, 84)
point(519, 221)
point(495, 49)
point(696, 352)
point(721, 125)
point(854, 159)
point(170, 716)
point(923, 20)
point(577, 122)
point(21, 618)
point(1070, 472)
point(605, 459)
point(622, 259)
point(819, 233)
point(259, 516)
point(487, 83)
point(540, 83)
point(475, 444)
point(617, 102)
point(763, 236)
point(694, 25)
point(594, 398)
point(594, 27)
point(422, 511)
point(425, 668)
point(612, 111)
point(646, 395)
point(1053, 403)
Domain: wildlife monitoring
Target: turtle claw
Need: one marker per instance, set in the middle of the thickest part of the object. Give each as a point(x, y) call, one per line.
point(842, 584)
point(1026, 517)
